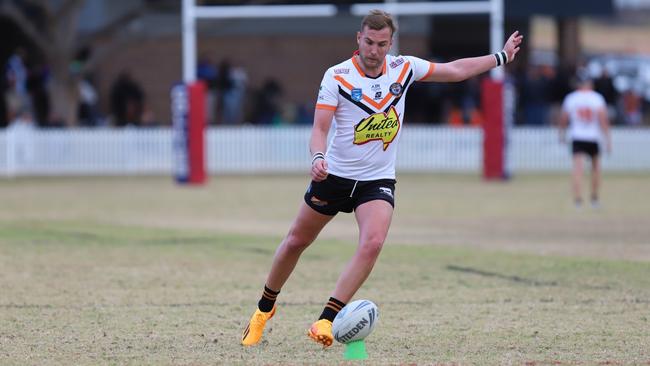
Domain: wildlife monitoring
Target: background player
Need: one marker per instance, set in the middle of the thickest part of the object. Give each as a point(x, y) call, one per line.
point(584, 112)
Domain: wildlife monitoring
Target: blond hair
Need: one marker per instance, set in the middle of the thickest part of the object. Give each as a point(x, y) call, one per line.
point(378, 20)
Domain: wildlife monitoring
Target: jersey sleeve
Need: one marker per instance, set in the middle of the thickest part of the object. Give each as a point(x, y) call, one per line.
point(421, 68)
point(327, 93)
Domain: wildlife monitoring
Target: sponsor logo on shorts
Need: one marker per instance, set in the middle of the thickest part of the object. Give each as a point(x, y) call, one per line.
point(356, 94)
point(386, 191)
point(318, 202)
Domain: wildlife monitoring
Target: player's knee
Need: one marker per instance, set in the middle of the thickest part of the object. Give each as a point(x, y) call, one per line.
point(371, 247)
point(296, 242)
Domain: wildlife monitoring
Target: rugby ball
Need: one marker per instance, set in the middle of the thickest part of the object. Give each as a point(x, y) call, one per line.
point(355, 321)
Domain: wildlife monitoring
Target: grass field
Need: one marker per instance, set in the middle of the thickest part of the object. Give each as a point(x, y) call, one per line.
point(140, 271)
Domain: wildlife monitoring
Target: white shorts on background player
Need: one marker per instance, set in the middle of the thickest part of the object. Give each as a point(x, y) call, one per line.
point(368, 114)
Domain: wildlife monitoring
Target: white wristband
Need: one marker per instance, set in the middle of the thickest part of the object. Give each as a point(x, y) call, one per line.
point(501, 57)
point(316, 156)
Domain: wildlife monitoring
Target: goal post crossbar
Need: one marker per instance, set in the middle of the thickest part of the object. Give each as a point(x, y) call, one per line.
point(264, 11)
point(191, 12)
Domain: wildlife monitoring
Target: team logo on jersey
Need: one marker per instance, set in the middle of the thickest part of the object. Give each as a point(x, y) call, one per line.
point(395, 89)
point(378, 127)
point(356, 94)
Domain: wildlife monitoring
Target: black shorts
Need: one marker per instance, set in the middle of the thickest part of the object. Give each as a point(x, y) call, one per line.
point(590, 148)
point(336, 194)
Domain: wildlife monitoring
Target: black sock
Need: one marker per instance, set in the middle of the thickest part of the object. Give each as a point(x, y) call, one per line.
point(331, 309)
point(268, 300)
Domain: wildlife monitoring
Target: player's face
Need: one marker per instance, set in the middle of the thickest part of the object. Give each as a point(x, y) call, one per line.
point(373, 46)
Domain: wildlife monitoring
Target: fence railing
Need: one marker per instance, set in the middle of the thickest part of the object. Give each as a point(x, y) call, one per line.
point(251, 150)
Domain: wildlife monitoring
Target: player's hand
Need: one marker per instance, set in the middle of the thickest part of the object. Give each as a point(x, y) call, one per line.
point(319, 170)
point(512, 45)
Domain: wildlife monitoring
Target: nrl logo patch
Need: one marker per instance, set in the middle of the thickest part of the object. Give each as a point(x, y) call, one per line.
point(356, 94)
point(378, 127)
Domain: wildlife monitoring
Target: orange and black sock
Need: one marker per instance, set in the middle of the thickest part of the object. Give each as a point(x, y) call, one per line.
point(268, 300)
point(331, 309)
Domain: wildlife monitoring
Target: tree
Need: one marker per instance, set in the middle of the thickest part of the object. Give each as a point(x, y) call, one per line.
point(52, 27)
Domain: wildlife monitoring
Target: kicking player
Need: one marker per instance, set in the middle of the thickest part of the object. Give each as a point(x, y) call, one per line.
point(584, 112)
point(356, 172)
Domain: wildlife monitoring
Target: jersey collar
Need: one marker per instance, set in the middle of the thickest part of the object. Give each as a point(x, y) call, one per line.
point(358, 67)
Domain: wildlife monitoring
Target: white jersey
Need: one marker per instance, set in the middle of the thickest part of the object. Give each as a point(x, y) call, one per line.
point(583, 107)
point(369, 115)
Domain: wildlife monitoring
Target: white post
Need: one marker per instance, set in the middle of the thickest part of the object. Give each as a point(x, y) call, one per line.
point(391, 8)
point(189, 41)
point(496, 34)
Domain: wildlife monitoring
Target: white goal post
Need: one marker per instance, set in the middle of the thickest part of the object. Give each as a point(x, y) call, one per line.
point(192, 12)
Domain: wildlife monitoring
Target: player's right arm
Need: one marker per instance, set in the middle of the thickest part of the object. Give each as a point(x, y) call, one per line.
point(326, 105)
point(563, 124)
point(318, 142)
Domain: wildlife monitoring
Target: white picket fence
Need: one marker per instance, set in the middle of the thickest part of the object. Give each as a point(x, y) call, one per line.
point(251, 150)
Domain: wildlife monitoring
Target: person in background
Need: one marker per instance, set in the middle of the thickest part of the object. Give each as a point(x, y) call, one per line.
point(584, 113)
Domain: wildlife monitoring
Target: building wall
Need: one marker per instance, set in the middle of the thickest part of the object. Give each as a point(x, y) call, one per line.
point(297, 62)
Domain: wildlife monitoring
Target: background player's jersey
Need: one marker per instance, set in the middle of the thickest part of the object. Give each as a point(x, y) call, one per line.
point(369, 115)
point(583, 107)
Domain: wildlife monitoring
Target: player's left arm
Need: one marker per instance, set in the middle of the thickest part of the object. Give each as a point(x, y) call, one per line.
point(465, 68)
point(604, 125)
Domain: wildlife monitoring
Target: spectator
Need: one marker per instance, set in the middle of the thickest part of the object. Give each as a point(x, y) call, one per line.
point(88, 109)
point(605, 86)
point(16, 96)
point(127, 101)
point(536, 96)
point(37, 87)
point(4, 118)
point(631, 108)
point(207, 72)
point(233, 98)
point(268, 103)
point(224, 85)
